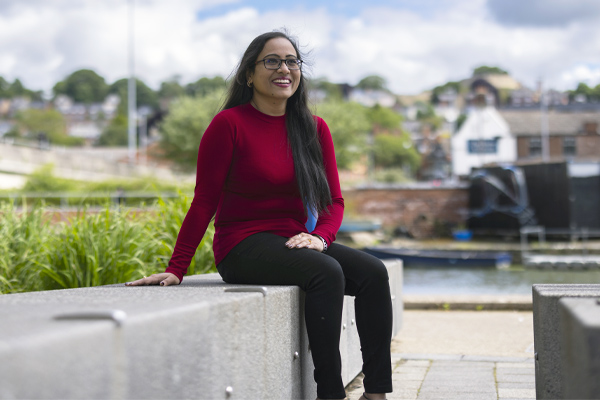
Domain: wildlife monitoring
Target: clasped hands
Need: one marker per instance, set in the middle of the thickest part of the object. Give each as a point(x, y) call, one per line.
point(305, 240)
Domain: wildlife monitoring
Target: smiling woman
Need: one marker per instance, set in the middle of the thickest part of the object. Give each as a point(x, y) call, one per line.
point(264, 162)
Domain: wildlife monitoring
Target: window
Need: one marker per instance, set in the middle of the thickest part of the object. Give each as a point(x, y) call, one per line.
point(569, 146)
point(535, 146)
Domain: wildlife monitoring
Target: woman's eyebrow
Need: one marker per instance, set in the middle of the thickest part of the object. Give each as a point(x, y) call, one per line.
point(277, 55)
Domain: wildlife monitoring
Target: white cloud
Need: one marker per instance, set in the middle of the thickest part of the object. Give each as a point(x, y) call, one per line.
point(41, 42)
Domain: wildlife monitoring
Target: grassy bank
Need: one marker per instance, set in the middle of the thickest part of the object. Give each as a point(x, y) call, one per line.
point(91, 249)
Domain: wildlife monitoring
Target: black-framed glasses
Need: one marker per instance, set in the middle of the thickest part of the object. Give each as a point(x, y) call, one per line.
point(275, 63)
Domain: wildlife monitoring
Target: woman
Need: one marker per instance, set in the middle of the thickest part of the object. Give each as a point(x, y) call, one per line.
point(263, 161)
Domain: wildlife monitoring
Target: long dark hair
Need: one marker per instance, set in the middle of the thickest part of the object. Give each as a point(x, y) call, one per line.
point(301, 127)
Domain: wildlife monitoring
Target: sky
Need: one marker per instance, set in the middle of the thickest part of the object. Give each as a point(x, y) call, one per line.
point(414, 44)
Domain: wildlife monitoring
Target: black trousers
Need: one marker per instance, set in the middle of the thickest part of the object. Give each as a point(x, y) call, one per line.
point(263, 259)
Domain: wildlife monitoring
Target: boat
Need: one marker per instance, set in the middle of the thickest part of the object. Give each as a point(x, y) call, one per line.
point(443, 258)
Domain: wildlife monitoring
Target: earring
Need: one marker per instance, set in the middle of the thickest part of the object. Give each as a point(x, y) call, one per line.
point(249, 84)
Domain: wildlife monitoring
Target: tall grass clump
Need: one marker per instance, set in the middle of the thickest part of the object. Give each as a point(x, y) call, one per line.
point(165, 226)
point(24, 239)
point(111, 246)
point(102, 248)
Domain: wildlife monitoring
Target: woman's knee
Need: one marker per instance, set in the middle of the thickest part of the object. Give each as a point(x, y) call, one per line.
point(329, 272)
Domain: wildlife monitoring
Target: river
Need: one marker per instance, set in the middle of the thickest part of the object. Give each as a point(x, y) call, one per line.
point(516, 280)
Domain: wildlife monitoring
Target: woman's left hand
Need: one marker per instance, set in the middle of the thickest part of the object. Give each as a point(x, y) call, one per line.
point(305, 240)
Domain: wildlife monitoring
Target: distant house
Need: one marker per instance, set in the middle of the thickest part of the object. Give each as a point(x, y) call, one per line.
point(369, 97)
point(87, 120)
point(571, 135)
point(483, 138)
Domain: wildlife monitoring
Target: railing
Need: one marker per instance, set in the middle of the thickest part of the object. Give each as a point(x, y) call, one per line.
point(118, 198)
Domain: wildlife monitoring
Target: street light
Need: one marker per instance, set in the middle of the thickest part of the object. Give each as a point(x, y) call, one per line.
point(131, 118)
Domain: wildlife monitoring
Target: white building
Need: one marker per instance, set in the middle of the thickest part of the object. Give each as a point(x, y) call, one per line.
point(483, 138)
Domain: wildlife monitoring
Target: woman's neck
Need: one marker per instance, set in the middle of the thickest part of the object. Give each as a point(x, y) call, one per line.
point(274, 108)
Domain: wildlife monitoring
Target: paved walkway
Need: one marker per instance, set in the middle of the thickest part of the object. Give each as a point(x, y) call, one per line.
point(462, 355)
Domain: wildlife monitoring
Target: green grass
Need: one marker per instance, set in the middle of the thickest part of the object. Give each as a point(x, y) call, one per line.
point(90, 249)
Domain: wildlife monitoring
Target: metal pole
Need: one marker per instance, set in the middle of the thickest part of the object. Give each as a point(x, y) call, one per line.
point(544, 126)
point(131, 123)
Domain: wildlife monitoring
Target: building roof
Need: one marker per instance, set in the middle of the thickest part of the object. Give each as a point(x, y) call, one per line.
point(528, 122)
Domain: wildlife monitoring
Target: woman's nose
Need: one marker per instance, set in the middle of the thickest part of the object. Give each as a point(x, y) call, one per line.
point(282, 66)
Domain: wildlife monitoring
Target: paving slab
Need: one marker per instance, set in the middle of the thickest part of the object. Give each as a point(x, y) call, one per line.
point(462, 355)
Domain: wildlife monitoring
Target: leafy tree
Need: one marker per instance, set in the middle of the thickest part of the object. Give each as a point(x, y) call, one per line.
point(83, 86)
point(10, 90)
point(116, 133)
point(427, 115)
point(184, 126)
point(384, 119)
point(591, 93)
point(144, 96)
point(373, 82)
point(205, 86)
point(452, 85)
point(391, 151)
point(4, 88)
point(349, 125)
point(333, 92)
point(171, 89)
point(485, 70)
point(51, 123)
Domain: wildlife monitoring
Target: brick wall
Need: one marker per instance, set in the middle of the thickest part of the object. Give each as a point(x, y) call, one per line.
point(421, 211)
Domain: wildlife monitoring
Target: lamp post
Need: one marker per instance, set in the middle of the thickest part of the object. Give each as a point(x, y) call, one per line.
point(131, 95)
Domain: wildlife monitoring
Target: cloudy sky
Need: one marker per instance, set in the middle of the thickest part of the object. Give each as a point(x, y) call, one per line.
point(414, 44)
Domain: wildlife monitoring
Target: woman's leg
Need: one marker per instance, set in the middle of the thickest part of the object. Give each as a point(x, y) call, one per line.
point(367, 280)
point(263, 259)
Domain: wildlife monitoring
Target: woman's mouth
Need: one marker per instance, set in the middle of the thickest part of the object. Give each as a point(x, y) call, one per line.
point(282, 82)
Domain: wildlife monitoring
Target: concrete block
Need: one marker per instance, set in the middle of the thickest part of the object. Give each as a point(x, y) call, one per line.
point(546, 334)
point(196, 340)
point(580, 344)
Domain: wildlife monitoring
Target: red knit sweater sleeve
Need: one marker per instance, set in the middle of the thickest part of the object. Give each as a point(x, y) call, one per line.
point(329, 223)
point(214, 160)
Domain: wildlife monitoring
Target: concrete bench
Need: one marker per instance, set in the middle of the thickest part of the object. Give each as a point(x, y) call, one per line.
point(203, 339)
point(547, 335)
point(580, 344)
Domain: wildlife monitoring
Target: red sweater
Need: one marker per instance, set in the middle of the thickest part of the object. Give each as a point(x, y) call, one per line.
point(245, 175)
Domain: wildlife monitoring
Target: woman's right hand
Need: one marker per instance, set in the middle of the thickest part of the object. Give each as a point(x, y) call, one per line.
point(162, 279)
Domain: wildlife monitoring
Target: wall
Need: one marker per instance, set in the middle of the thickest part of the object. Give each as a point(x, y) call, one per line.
point(416, 209)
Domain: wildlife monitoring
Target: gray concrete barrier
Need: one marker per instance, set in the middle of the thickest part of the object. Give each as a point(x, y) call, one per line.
point(549, 370)
point(580, 344)
point(203, 339)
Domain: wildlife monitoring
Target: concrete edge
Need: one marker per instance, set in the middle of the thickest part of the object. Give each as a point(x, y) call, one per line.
point(468, 303)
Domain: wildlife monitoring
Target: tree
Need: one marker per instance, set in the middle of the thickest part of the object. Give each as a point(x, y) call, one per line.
point(116, 133)
point(51, 123)
point(590, 93)
point(83, 86)
point(4, 89)
point(184, 126)
point(349, 125)
point(426, 114)
point(452, 85)
point(144, 96)
point(372, 82)
point(205, 86)
point(485, 70)
point(332, 91)
point(384, 119)
point(392, 151)
point(171, 89)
